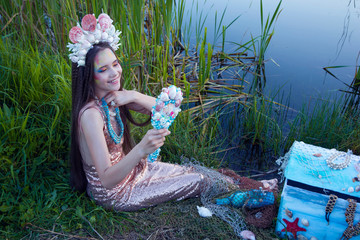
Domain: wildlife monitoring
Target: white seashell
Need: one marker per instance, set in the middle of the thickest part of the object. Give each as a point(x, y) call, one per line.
point(204, 212)
point(97, 34)
point(246, 234)
point(301, 237)
point(350, 189)
point(164, 97)
point(178, 96)
point(111, 31)
point(313, 238)
point(91, 38)
point(172, 92)
point(82, 53)
point(74, 59)
point(357, 188)
point(305, 222)
point(81, 62)
point(104, 36)
point(157, 115)
point(85, 44)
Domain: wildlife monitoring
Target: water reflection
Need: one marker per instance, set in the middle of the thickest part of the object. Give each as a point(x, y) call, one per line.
point(309, 35)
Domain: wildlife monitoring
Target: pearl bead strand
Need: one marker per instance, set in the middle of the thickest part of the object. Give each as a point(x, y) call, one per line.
point(339, 166)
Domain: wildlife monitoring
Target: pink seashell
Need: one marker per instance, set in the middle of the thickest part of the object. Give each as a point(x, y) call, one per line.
point(75, 34)
point(104, 21)
point(159, 106)
point(177, 103)
point(246, 234)
point(317, 155)
point(88, 23)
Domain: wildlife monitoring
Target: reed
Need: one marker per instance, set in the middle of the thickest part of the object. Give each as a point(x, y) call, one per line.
point(326, 125)
point(267, 32)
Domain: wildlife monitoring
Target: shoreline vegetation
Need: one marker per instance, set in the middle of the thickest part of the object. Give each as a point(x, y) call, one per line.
point(220, 114)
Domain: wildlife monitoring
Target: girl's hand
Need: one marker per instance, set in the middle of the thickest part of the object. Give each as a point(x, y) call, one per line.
point(120, 98)
point(152, 140)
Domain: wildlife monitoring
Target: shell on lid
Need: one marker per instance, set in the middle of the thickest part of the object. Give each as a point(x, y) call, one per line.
point(305, 222)
point(301, 237)
point(288, 213)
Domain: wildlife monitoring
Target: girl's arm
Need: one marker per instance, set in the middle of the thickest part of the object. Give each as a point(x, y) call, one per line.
point(135, 100)
point(92, 130)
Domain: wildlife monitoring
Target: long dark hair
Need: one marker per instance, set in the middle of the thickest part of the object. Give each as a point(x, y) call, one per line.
point(83, 91)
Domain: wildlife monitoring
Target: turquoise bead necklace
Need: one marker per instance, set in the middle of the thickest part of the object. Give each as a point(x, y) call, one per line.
point(116, 138)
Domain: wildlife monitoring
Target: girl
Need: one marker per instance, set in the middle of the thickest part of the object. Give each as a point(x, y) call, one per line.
point(104, 161)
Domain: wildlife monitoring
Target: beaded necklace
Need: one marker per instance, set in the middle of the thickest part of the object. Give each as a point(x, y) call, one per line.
point(116, 138)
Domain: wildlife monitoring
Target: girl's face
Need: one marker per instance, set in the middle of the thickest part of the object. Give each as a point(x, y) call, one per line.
point(107, 73)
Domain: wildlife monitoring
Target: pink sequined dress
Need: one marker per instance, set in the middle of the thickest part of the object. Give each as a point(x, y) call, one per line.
point(146, 185)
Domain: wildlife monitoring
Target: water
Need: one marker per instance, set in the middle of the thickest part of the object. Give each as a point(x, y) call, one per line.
point(309, 35)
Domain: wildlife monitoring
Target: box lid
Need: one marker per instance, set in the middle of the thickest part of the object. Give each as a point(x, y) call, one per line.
point(307, 165)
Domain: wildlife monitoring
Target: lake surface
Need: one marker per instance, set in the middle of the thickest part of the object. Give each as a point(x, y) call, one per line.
point(309, 35)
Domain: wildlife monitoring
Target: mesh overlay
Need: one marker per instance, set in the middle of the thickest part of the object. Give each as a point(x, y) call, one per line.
point(219, 186)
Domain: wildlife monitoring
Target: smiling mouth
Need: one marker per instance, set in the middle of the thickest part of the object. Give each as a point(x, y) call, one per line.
point(114, 81)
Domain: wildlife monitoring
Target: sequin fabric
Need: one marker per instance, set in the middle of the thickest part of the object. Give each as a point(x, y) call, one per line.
point(146, 185)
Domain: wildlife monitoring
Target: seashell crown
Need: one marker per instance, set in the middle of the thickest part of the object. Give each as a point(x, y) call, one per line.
point(91, 31)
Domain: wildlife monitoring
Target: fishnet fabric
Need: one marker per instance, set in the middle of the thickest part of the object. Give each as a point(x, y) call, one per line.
point(217, 185)
point(311, 159)
point(258, 217)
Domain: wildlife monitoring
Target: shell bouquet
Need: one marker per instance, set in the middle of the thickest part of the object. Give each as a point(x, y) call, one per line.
point(165, 111)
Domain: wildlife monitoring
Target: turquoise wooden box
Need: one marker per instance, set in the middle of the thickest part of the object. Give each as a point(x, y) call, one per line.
point(309, 182)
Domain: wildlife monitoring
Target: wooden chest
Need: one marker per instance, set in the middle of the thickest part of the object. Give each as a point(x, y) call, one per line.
point(319, 198)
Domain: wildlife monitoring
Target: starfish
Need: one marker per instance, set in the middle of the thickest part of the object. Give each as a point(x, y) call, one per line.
point(293, 227)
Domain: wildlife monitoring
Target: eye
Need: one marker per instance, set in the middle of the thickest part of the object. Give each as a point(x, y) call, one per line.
point(102, 70)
